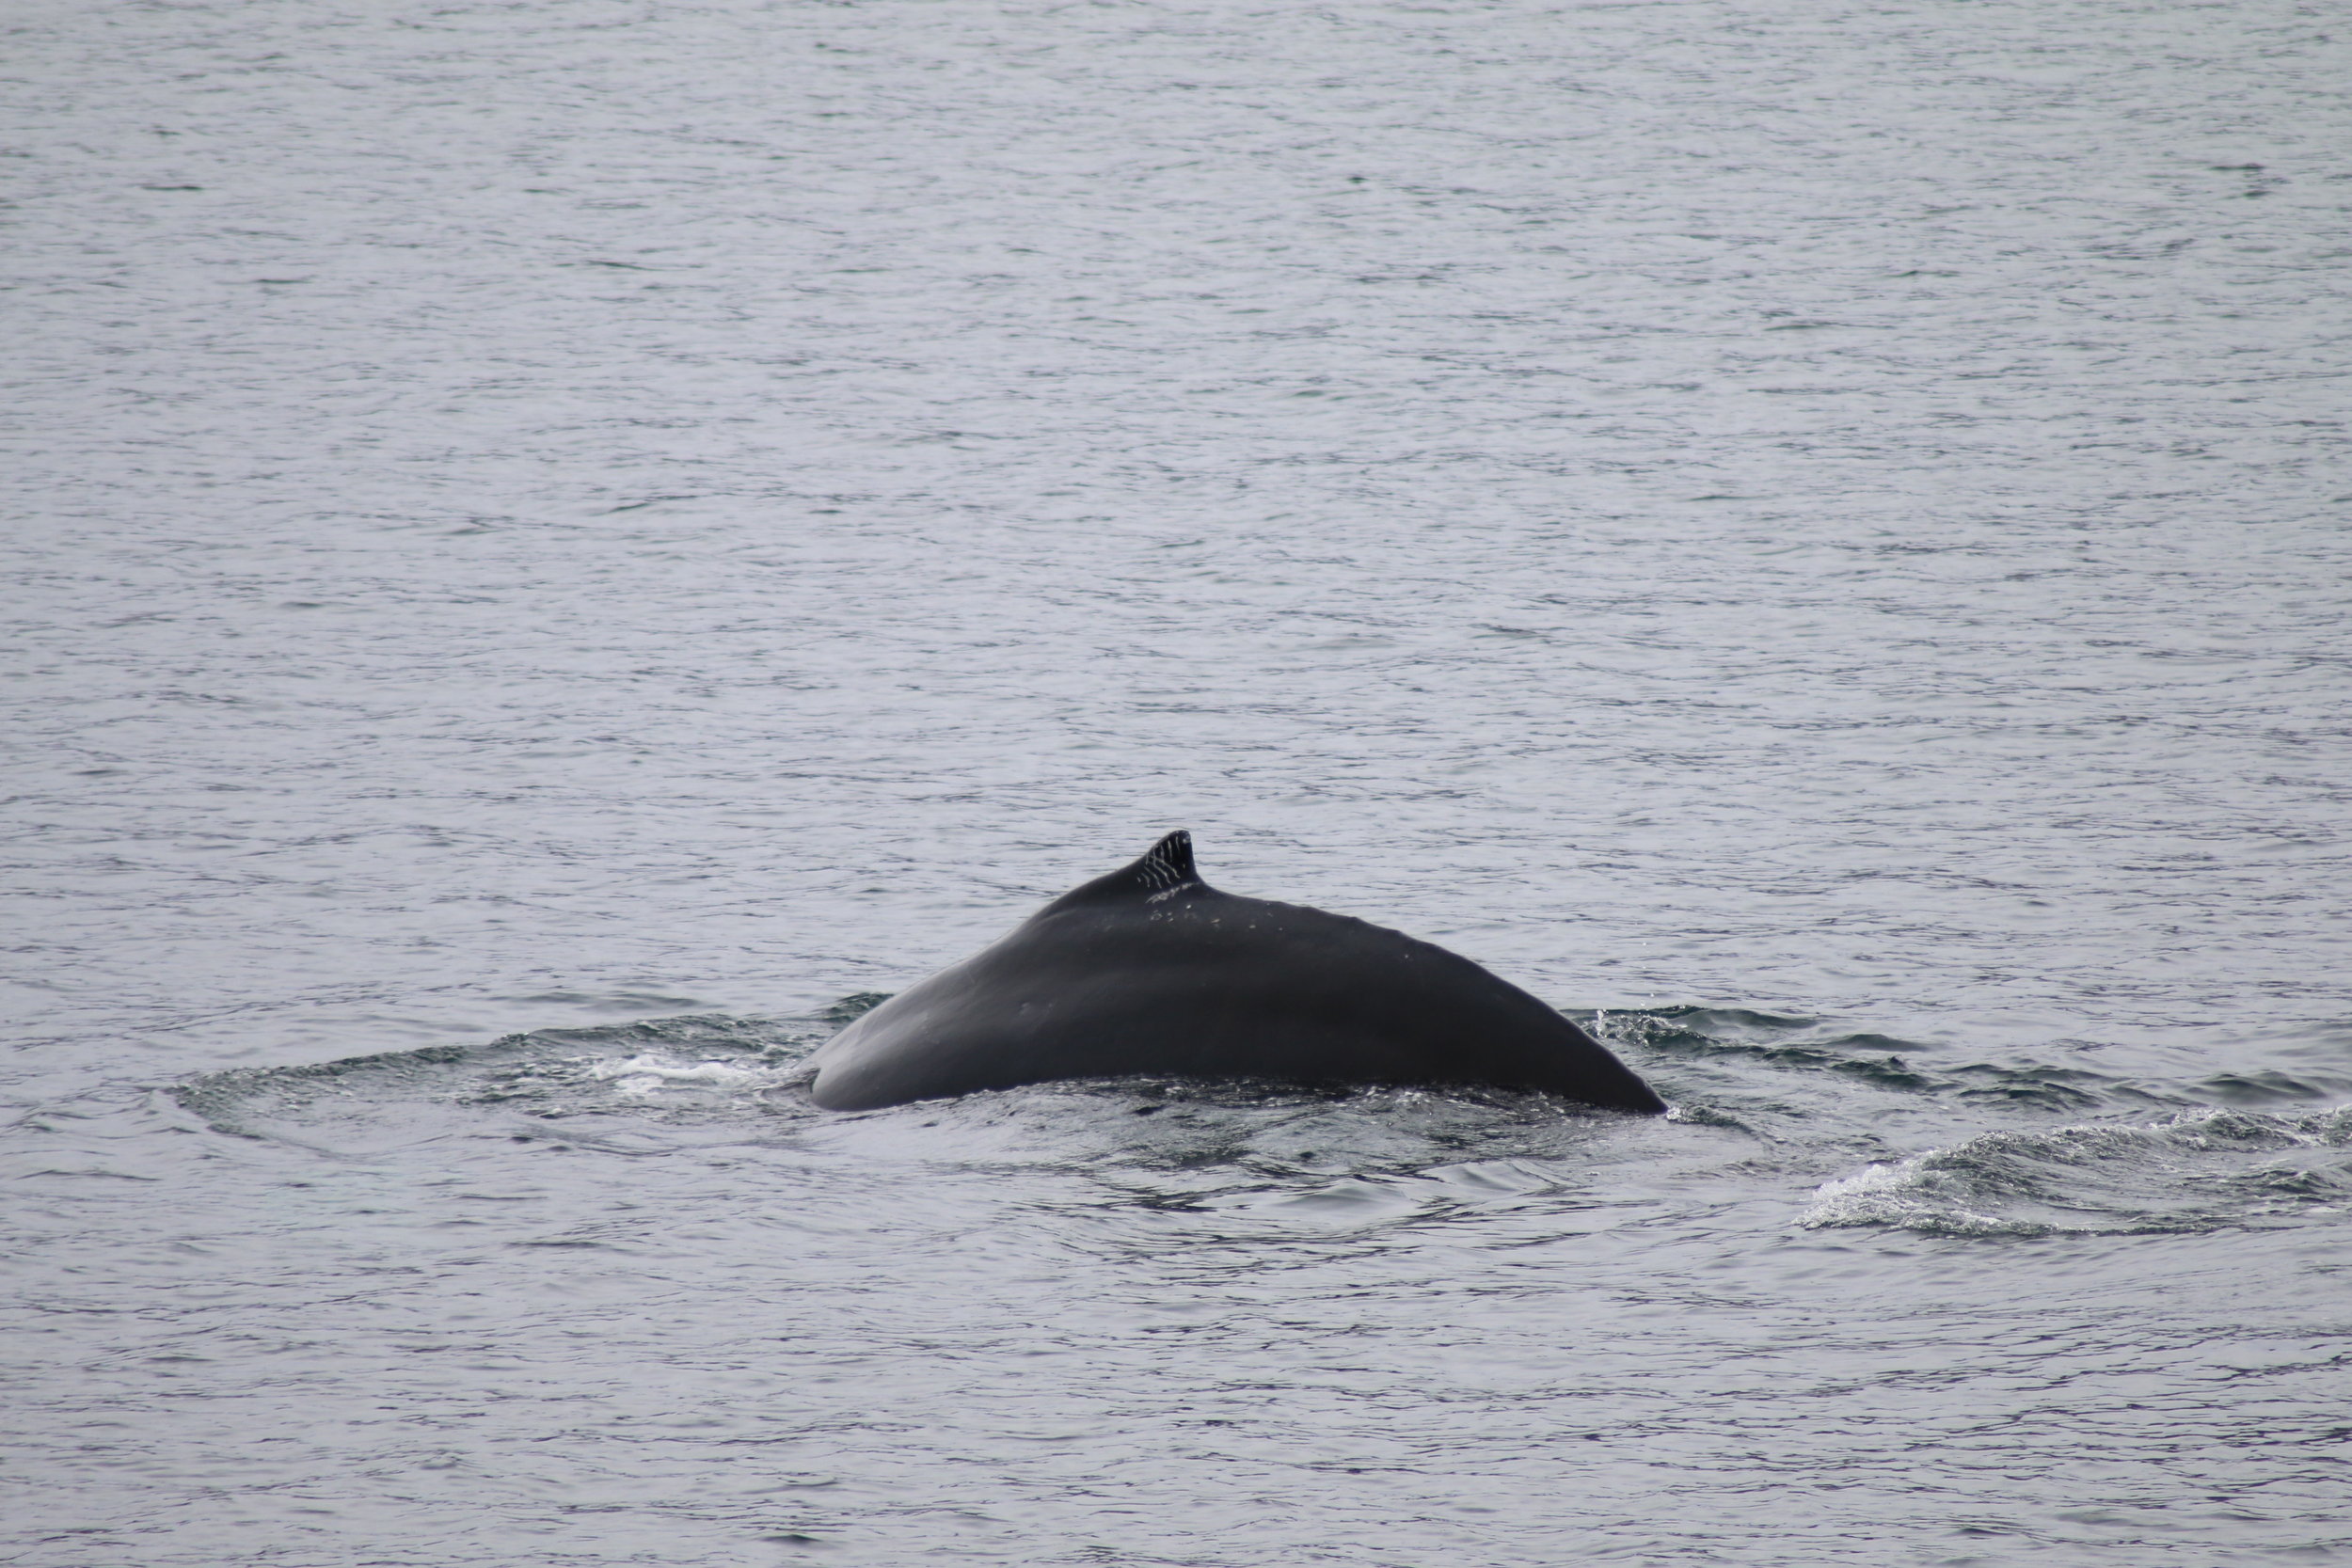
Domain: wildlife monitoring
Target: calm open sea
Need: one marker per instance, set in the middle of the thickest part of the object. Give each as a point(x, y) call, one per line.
point(555, 550)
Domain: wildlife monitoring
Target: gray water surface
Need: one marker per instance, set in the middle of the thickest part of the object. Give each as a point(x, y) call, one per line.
point(558, 551)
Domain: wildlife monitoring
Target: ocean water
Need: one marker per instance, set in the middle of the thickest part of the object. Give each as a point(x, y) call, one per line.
point(556, 553)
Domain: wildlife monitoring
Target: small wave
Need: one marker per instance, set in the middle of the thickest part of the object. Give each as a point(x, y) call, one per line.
point(698, 1061)
point(2197, 1170)
point(1732, 1038)
point(854, 1007)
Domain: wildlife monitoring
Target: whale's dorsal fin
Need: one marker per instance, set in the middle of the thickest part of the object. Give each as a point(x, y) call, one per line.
point(1165, 868)
point(1167, 863)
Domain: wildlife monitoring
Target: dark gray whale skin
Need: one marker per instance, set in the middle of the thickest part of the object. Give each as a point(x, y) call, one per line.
point(1148, 970)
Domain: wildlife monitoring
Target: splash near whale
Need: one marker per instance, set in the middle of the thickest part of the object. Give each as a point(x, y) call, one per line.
point(1150, 971)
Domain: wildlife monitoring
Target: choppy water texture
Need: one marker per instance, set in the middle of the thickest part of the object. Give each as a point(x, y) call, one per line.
point(557, 549)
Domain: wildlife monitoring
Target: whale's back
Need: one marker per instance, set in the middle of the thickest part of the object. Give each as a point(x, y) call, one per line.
point(1150, 972)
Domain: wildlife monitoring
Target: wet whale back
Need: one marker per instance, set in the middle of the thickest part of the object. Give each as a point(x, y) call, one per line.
point(1148, 970)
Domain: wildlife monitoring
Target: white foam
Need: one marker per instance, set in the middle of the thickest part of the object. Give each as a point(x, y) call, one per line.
point(648, 1074)
point(2183, 1170)
point(1901, 1194)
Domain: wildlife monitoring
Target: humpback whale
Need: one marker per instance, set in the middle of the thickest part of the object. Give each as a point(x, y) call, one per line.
point(1151, 971)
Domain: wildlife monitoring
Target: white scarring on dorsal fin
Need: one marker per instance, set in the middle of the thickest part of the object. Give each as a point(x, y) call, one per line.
point(1165, 871)
point(1168, 865)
